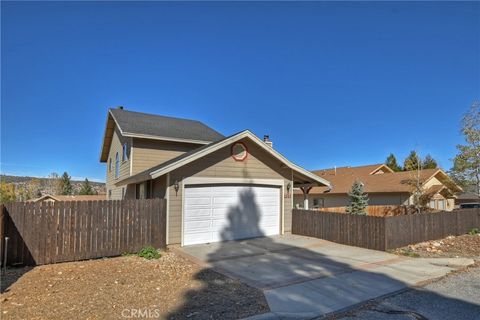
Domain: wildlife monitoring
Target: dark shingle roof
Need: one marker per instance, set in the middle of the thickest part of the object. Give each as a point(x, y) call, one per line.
point(160, 126)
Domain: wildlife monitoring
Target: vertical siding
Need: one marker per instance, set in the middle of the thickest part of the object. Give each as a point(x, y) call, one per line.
point(258, 165)
point(117, 146)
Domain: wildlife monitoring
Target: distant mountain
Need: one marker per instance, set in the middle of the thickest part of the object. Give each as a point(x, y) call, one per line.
point(45, 186)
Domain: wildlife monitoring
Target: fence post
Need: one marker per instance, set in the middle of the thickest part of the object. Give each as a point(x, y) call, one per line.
point(2, 231)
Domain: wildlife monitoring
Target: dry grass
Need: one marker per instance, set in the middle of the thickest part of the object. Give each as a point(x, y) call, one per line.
point(170, 287)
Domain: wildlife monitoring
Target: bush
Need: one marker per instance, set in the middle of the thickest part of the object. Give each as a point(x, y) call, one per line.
point(149, 253)
point(474, 231)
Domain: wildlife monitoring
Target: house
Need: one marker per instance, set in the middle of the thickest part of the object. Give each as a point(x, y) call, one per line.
point(217, 188)
point(53, 198)
point(466, 198)
point(383, 186)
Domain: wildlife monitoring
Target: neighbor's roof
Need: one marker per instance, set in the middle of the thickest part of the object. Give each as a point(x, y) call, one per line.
point(71, 198)
point(385, 182)
point(467, 196)
point(150, 126)
point(202, 151)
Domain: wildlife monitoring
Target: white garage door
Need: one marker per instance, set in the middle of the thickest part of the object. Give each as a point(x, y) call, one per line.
point(227, 212)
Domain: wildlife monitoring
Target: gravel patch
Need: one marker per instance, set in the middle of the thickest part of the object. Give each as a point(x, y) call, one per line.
point(467, 246)
point(168, 288)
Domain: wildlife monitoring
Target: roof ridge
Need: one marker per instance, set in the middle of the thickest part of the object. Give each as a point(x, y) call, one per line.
point(154, 115)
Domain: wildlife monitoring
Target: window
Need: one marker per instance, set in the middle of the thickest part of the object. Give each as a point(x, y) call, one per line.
point(432, 204)
point(441, 204)
point(110, 165)
point(117, 166)
point(124, 153)
point(109, 194)
point(318, 202)
point(142, 190)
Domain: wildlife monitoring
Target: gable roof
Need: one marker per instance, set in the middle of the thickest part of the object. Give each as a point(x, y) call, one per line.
point(389, 181)
point(150, 126)
point(71, 197)
point(202, 151)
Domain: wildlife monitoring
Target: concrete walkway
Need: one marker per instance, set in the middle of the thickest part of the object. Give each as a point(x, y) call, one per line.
point(304, 277)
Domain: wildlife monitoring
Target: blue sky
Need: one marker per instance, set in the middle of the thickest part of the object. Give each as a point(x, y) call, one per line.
point(332, 83)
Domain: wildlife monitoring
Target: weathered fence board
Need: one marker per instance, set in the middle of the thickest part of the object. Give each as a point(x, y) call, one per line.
point(43, 232)
point(383, 233)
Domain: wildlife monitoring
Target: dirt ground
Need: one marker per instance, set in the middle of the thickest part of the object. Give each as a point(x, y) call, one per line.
point(467, 246)
point(126, 287)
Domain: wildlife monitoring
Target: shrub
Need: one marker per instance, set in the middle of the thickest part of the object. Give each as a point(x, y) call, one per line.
point(149, 253)
point(474, 231)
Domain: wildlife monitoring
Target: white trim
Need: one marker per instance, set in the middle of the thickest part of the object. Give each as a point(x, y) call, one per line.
point(228, 141)
point(130, 158)
point(282, 204)
point(212, 180)
point(182, 209)
point(148, 136)
point(167, 196)
point(379, 167)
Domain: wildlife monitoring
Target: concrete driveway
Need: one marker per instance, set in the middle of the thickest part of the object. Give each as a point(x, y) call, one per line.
point(304, 277)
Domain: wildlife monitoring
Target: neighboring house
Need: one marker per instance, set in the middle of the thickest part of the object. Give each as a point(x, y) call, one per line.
point(466, 197)
point(217, 188)
point(383, 186)
point(53, 198)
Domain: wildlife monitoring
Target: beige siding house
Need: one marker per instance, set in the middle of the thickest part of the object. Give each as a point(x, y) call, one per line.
point(217, 188)
point(383, 186)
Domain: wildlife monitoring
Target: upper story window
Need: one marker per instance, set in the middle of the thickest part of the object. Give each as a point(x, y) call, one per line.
point(117, 166)
point(124, 152)
point(110, 165)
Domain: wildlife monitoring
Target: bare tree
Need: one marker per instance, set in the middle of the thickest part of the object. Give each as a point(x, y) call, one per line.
point(466, 164)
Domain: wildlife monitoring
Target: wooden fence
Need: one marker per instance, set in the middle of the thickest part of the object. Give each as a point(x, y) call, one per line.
point(383, 233)
point(51, 232)
point(377, 210)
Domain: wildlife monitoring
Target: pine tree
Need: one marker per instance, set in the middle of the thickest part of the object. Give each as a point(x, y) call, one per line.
point(65, 184)
point(429, 162)
point(392, 163)
point(412, 162)
point(358, 200)
point(86, 188)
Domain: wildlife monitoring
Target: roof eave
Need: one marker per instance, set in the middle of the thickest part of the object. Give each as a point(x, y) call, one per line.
point(243, 134)
point(152, 137)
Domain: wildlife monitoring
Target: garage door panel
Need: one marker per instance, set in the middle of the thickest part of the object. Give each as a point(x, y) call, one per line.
point(199, 238)
point(224, 201)
point(198, 213)
point(192, 225)
point(198, 201)
point(219, 213)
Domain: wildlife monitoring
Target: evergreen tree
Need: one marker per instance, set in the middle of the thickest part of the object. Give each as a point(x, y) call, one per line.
point(429, 163)
point(86, 188)
point(358, 200)
point(392, 163)
point(412, 162)
point(65, 184)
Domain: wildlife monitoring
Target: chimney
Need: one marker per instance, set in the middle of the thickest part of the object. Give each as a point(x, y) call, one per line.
point(335, 170)
point(266, 139)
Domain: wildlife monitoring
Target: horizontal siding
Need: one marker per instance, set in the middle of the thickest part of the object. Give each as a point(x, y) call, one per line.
point(117, 146)
point(258, 165)
point(149, 153)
